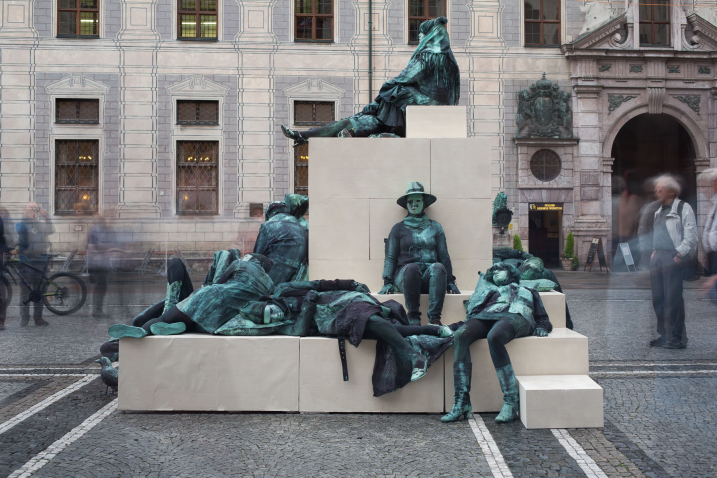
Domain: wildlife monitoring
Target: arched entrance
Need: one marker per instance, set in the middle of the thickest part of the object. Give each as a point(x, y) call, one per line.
point(645, 147)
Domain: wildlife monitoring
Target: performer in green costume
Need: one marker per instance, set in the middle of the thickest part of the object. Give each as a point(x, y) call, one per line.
point(417, 258)
point(500, 310)
point(431, 78)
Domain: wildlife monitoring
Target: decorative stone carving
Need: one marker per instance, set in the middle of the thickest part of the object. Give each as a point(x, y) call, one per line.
point(596, 14)
point(501, 214)
point(635, 68)
point(704, 70)
point(707, 13)
point(655, 100)
point(673, 68)
point(693, 101)
point(544, 111)
point(604, 68)
point(545, 165)
point(614, 101)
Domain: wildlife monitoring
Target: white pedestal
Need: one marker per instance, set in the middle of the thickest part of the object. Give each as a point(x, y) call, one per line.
point(560, 401)
point(436, 122)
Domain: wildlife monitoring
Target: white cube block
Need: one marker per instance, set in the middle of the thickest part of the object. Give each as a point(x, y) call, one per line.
point(199, 372)
point(436, 122)
point(322, 388)
point(560, 401)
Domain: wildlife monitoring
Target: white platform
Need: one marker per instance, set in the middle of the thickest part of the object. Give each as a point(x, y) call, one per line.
point(563, 352)
point(560, 401)
point(322, 387)
point(436, 122)
point(198, 372)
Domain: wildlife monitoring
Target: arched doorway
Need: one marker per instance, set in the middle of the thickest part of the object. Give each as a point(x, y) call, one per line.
point(645, 147)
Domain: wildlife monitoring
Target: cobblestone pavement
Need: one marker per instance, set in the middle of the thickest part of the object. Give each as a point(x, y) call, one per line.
point(659, 411)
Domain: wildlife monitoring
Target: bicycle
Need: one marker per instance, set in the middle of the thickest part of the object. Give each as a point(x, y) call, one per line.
point(63, 293)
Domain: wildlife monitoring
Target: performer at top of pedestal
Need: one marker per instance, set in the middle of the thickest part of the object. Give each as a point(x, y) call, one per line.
point(432, 77)
point(417, 258)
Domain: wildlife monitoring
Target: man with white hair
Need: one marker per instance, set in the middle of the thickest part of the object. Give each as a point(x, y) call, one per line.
point(674, 241)
point(709, 235)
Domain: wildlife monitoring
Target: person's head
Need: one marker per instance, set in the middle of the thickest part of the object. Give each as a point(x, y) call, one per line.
point(272, 313)
point(414, 204)
point(416, 200)
point(264, 311)
point(532, 269)
point(709, 178)
point(274, 208)
point(32, 210)
point(503, 274)
point(265, 263)
point(666, 188)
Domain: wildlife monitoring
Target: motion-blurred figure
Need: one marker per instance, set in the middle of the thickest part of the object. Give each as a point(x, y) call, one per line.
point(98, 261)
point(674, 241)
point(709, 235)
point(646, 223)
point(4, 249)
point(33, 248)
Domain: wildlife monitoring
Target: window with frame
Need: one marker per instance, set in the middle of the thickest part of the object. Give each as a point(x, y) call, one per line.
point(314, 20)
point(655, 23)
point(76, 177)
point(76, 111)
point(542, 22)
point(203, 113)
point(197, 177)
point(197, 19)
point(421, 10)
point(78, 18)
point(308, 113)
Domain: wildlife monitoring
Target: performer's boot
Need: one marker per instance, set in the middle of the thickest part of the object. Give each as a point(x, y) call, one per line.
point(119, 331)
point(163, 328)
point(295, 135)
point(172, 297)
point(511, 399)
point(461, 387)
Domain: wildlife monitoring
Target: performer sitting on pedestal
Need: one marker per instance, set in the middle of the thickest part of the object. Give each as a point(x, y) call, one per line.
point(417, 258)
point(499, 310)
point(431, 78)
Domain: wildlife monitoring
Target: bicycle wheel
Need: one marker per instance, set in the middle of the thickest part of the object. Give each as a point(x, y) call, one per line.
point(64, 293)
point(5, 292)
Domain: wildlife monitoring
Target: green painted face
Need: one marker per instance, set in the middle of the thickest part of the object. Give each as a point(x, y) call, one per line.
point(273, 313)
point(501, 278)
point(414, 204)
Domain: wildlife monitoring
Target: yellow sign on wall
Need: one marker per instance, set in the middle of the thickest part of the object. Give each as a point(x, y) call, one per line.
point(545, 207)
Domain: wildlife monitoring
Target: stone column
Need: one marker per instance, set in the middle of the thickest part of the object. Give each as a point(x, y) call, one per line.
point(19, 182)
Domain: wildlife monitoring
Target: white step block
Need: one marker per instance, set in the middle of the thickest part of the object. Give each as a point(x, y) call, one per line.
point(198, 372)
point(436, 122)
point(322, 388)
point(563, 352)
point(560, 401)
point(454, 310)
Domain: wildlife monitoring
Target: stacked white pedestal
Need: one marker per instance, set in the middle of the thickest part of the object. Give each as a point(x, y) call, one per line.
point(560, 401)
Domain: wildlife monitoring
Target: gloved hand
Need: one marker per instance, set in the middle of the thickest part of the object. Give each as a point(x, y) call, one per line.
point(359, 287)
point(540, 332)
point(387, 289)
point(453, 289)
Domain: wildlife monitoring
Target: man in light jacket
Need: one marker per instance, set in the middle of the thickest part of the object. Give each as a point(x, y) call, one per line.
point(674, 241)
point(709, 235)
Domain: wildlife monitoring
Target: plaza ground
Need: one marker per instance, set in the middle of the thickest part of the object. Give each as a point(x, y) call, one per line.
point(659, 408)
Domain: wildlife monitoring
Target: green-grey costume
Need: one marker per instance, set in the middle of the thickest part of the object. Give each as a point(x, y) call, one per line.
point(286, 242)
point(417, 260)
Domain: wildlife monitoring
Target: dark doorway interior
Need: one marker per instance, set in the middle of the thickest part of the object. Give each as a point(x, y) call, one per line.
point(544, 234)
point(647, 146)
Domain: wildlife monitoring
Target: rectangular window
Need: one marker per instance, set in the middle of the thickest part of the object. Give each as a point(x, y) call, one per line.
point(197, 112)
point(197, 177)
point(314, 20)
point(72, 111)
point(197, 19)
point(542, 22)
point(78, 18)
point(655, 23)
point(308, 113)
point(421, 10)
point(76, 177)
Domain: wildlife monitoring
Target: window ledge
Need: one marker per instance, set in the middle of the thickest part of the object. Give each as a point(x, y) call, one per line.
point(198, 39)
point(79, 37)
point(314, 41)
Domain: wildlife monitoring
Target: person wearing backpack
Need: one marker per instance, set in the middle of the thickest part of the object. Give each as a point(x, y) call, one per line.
point(674, 245)
point(709, 235)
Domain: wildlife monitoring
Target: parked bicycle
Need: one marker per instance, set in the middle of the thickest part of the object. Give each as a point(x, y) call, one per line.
point(62, 293)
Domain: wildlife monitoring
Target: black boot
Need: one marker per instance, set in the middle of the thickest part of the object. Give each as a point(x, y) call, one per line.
point(462, 386)
point(295, 135)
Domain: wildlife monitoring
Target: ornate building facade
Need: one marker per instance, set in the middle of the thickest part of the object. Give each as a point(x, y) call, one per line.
point(165, 115)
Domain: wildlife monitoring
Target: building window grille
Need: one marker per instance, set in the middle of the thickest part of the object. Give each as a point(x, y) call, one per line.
point(542, 22)
point(655, 23)
point(76, 177)
point(197, 112)
point(421, 10)
point(308, 113)
point(197, 177)
point(197, 19)
point(314, 20)
point(78, 18)
point(73, 111)
point(545, 165)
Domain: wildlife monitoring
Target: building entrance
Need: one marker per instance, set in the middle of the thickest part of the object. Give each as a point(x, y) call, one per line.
point(647, 146)
point(545, 226)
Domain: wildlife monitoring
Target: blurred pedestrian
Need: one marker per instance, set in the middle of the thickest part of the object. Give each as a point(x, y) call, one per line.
point(4, 249)
point(646, 223)
point(33, 247)
point(674, 242)
point(709, 235)
point(98, 261)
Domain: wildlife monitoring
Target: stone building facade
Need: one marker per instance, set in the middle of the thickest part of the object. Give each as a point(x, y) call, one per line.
point(140, 69)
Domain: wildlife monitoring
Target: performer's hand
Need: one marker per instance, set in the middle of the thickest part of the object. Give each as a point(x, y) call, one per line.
point(540, 332)
point(678, 258)
point(387, 289)
point(359, 287)
point(453, 289)
point(652, 255)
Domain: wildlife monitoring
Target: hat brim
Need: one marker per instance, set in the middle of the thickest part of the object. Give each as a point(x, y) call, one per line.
point(428, 199)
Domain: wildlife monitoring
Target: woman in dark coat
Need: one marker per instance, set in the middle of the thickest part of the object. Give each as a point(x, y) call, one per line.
point(431, 78)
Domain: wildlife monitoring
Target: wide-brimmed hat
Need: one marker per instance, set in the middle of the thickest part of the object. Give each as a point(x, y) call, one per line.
point(414, 187)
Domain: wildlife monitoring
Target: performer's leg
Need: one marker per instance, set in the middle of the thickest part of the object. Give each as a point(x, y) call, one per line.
point(408, 330)
point(408, 281)
point(502, 333)
point(172, 322)
point(436, 281)
point(384, 330)
point(329, 130)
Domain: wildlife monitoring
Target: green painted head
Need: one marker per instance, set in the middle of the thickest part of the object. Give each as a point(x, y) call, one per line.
point(503, 274)
point(415, 204)
point(532, 269)
point(416, 199)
